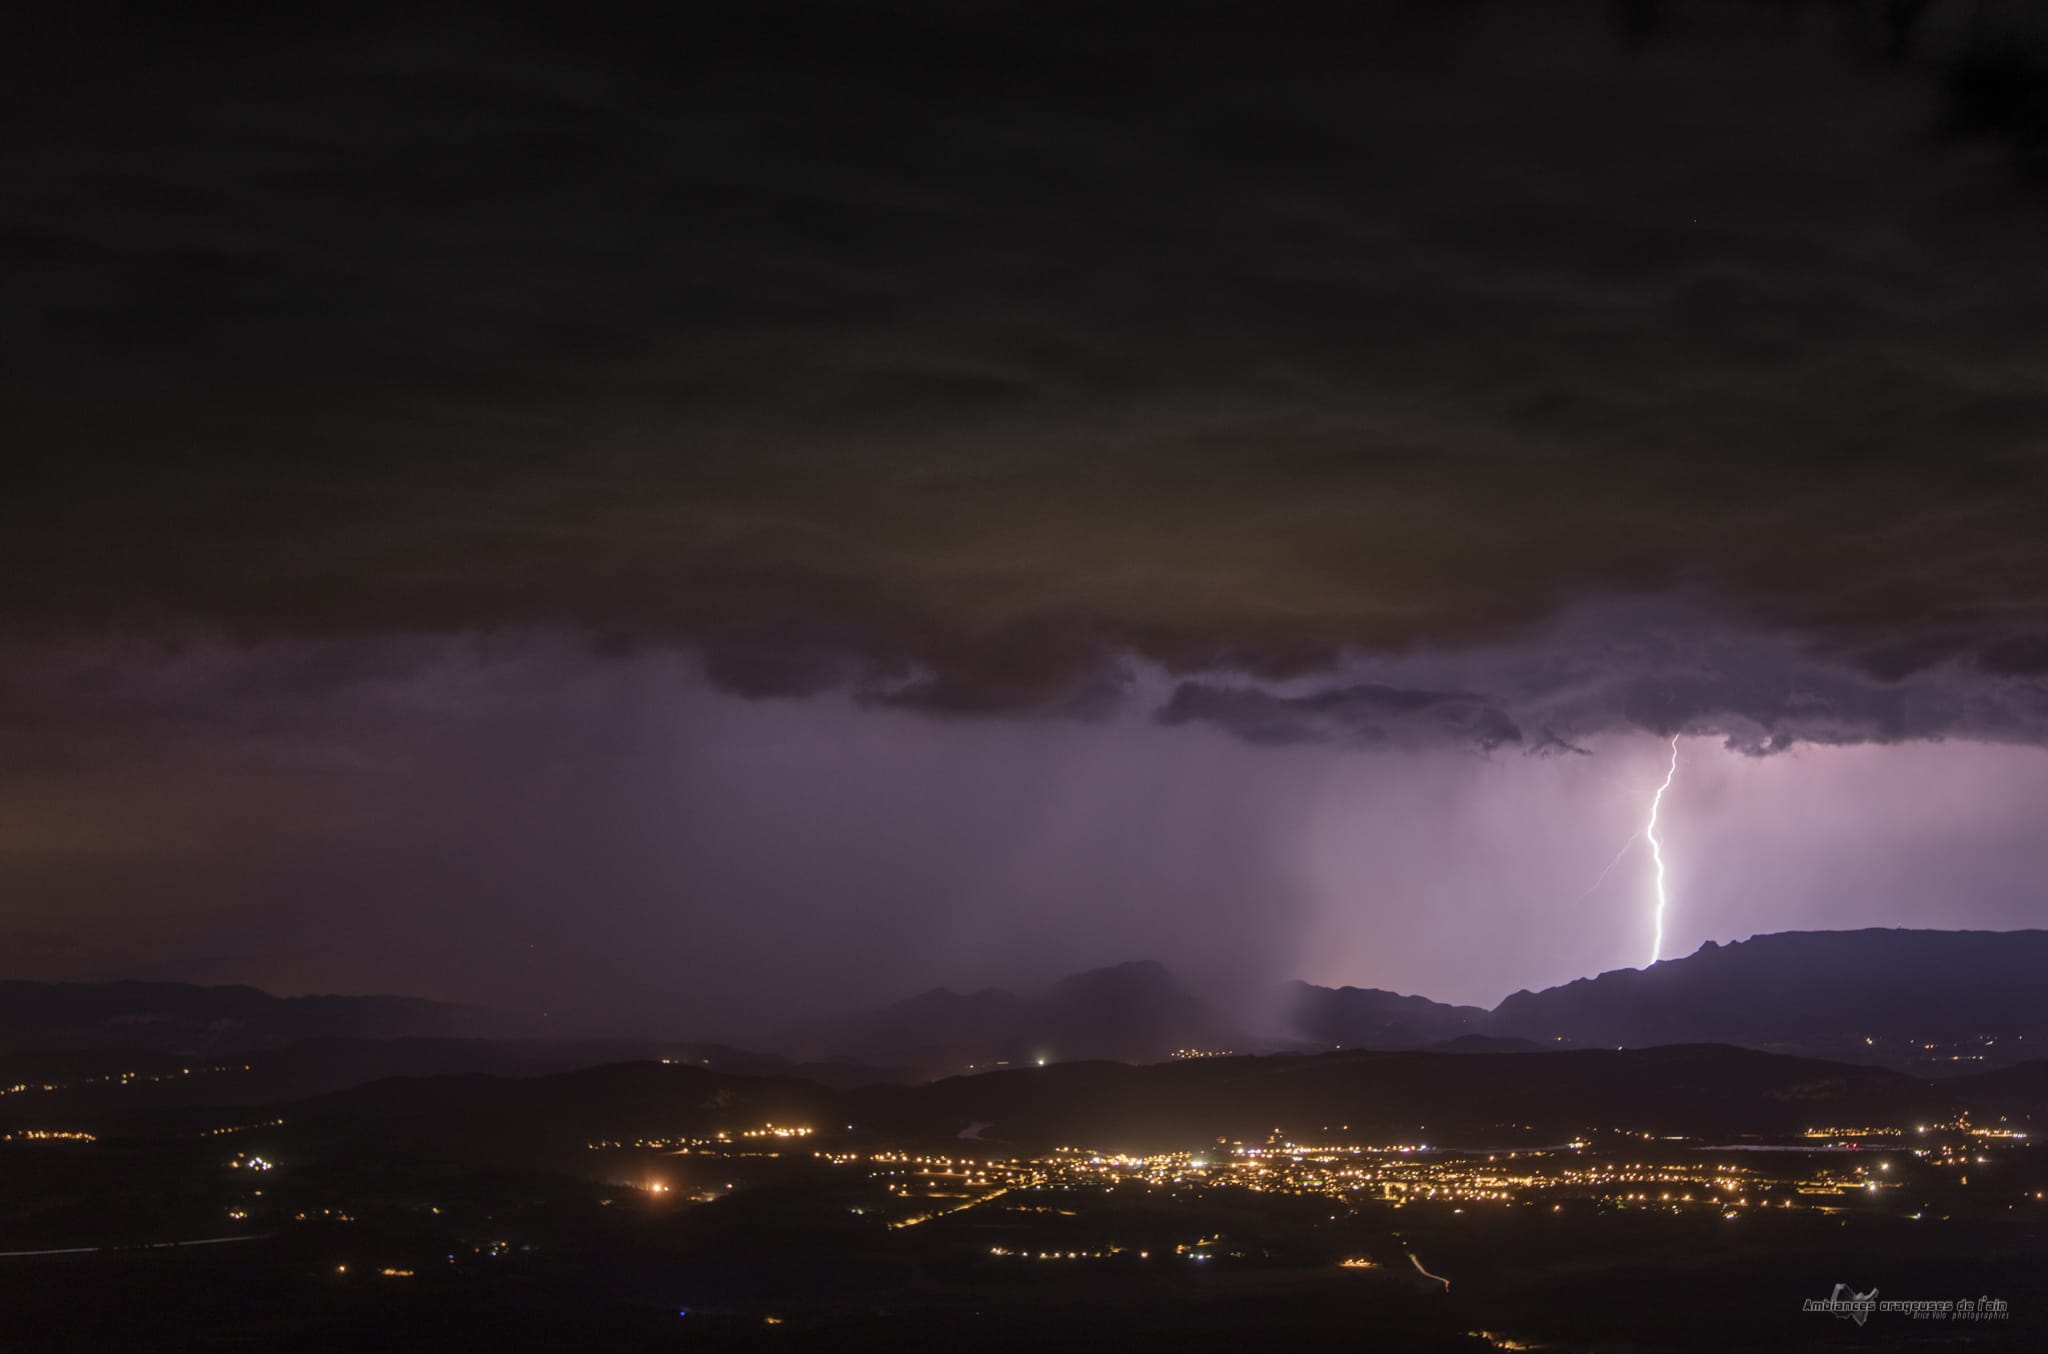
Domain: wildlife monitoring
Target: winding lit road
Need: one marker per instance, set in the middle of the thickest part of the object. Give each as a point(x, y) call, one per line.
point(142, 1246)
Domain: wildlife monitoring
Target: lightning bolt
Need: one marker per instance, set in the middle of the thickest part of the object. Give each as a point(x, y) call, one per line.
point(1657, 849)
point(1595, 886)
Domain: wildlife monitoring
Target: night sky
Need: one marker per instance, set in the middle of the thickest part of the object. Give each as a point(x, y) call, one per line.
point(688, 516)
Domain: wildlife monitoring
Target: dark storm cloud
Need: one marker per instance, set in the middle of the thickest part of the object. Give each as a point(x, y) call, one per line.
point(973, 358)
point(1657, 667)
point(1364, 714)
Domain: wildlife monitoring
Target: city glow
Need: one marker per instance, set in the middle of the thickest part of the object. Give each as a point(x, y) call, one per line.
point(48, 1135)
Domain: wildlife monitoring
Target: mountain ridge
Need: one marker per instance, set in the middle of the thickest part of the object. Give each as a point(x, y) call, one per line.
point(197, 1019)
point(1932, 1000)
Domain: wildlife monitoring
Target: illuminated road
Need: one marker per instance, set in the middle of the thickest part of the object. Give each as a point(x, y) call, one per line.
point(944, 1212)
point(1416, 1261)
point(145, 1246)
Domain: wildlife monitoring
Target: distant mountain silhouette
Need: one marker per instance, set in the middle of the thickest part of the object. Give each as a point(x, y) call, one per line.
point(920, 1027)
point(1367, 1017)
point(1946, 1001)
point(1919, 1000)
point(1816, 992)
point(184, 1018)
point(1133, 1012)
